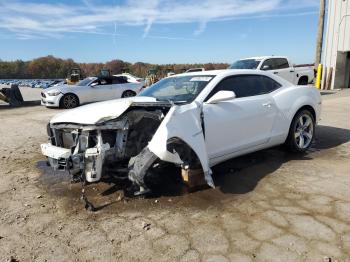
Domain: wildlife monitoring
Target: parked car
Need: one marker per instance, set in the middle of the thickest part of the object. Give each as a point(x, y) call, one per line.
point(52, 83)
point(131, 78)
point(91, 89)
point(191, 120)
point(278, 65)
point(195, 70)
point(38, 84)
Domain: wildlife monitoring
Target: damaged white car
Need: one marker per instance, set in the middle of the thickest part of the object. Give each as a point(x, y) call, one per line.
point(192, 120)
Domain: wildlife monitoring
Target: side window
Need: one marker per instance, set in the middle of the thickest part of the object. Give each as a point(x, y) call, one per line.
point(119, 80)
point(281, 63)
point(270, 85)
point(269, 64)
point(243, 86)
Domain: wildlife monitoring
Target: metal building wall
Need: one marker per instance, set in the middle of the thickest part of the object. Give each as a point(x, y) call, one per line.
point(337, 41)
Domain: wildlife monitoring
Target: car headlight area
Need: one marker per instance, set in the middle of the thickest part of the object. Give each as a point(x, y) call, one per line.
point(51, 99)
point(53, 93)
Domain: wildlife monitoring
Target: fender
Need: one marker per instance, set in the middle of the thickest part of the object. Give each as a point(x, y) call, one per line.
point(295, 98)
point(183, 122)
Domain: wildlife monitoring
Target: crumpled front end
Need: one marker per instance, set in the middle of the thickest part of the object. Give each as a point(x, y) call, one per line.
point(82, 149)
point(85, 149)
point(136, 142)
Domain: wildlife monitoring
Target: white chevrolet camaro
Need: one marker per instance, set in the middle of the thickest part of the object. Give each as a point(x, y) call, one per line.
point(191, 120)
point(91, 89)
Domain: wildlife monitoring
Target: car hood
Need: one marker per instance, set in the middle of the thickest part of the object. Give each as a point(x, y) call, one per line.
point(99, 112)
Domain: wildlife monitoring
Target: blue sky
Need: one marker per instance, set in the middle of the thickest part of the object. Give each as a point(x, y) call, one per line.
point(158, 31)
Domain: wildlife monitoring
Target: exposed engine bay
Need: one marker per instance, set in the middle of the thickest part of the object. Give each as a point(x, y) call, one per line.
point(136, 143)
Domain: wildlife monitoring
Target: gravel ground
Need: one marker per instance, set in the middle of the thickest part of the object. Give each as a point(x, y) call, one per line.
point(268, 206)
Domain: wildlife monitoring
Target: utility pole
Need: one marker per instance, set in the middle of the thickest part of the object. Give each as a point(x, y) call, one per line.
point(320, 29)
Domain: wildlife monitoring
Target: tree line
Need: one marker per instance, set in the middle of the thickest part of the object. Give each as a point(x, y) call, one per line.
point(50, 67)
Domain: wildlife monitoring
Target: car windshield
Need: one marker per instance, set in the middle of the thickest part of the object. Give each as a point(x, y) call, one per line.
point(245, 64)
point(179, 89)
point(86, 81)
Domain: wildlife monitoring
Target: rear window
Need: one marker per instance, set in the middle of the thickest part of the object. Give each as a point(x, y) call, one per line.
point(281, 63)
point(194, 70)
point(245, 64)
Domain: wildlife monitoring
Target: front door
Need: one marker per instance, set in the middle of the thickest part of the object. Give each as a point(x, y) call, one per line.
point(101, 92)
point(240, 123)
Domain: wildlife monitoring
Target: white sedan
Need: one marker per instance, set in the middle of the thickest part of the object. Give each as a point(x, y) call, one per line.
point(191, 120)
point(131, 78)
point(91, 89)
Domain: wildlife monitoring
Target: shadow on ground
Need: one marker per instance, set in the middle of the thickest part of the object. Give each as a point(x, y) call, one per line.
point(241, 175)
point(233, 177)
point(24, 104)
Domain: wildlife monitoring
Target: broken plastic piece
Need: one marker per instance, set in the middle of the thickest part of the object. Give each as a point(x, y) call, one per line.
point(139, 166)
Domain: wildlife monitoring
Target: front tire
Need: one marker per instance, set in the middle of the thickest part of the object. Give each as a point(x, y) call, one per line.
point(301, 132)
point(69, 101)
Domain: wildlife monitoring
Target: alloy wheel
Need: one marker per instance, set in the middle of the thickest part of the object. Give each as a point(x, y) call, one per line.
point(70, 101)
point(128, 94)
point(304, 131)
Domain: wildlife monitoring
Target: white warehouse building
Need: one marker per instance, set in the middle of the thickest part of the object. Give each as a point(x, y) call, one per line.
point(336, 53)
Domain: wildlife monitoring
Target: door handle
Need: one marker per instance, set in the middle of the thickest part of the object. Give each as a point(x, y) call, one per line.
point(291, 71)
point(276, 73)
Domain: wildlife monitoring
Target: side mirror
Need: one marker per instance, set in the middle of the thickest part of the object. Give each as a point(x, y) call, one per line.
point(266, 67)
point(94, 84)
point(221, 96)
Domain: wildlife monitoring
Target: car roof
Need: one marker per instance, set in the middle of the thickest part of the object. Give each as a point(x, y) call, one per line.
point(231, 72)
point(126, 74)
point(263, 57)
point(203, 73)
point(222, 72)
point(109, 77)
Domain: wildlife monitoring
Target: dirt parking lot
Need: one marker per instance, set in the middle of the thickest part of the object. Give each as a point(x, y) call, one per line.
point(268, 206)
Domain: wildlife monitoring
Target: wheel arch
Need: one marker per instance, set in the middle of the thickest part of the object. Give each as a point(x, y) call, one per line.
point(185, 151)
point(306, 107)
point(301, 108)
point(184, 123)
point(297, 98)
point(128, 90)
point(302, 78)
point(69, 93)
point(287, 141)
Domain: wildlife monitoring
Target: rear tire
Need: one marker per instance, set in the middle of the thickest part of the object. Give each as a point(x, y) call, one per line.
point(301, 132)
point(303, 81)
point(69, 101)
point(128, 93)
